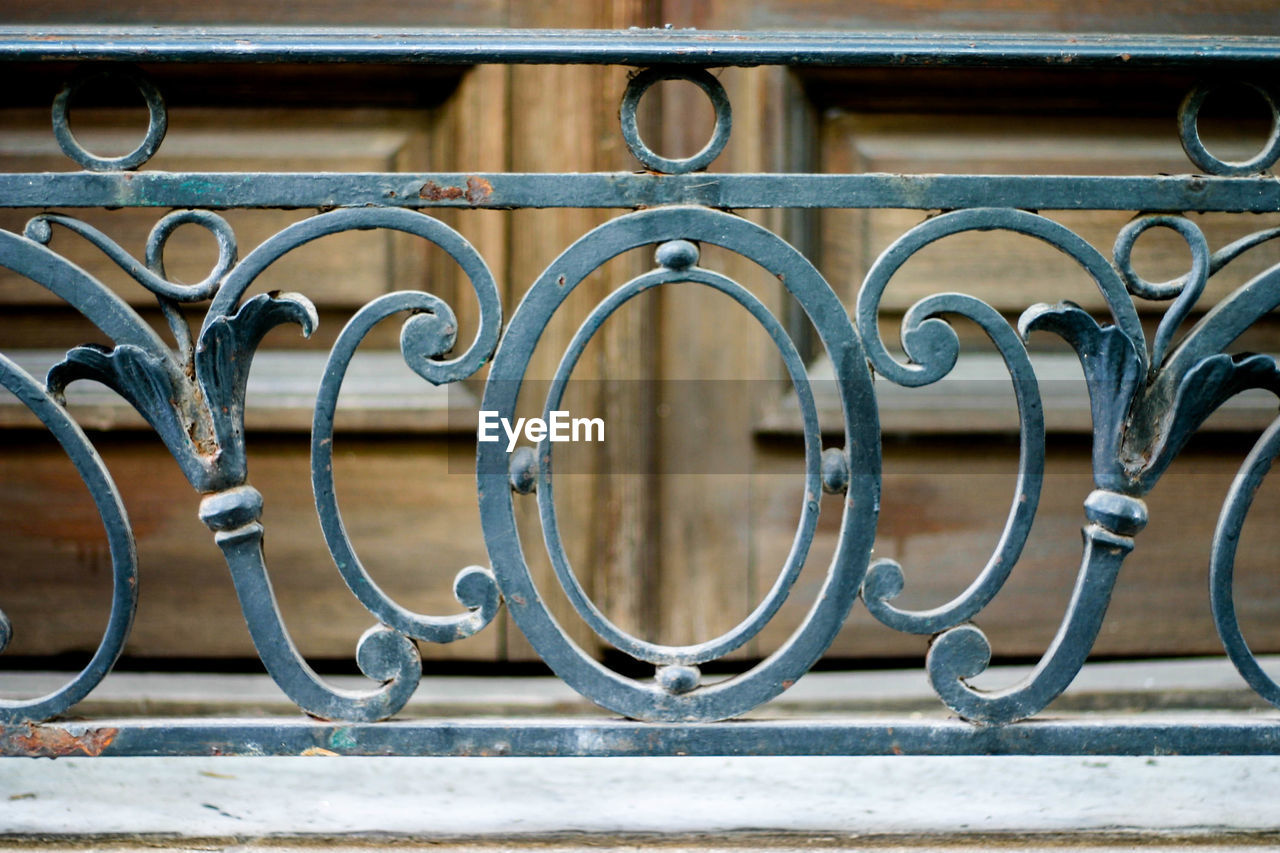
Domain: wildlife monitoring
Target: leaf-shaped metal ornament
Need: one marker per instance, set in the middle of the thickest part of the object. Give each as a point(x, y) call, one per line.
point(222, 361)
point(1113, 371)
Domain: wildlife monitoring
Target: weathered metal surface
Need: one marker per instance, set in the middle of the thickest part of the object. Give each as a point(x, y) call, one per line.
point(220, 190)
point(1162, 735)
point(56, 741)
point(1146, 397)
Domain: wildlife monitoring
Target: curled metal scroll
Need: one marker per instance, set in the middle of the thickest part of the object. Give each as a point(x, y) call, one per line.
point(1144, 402)
point(124, 561)
point(383, 654)
point(392, 219)
point(195, 401)
point(676, 694)
point(1144, 409)
point(1189, 380)
point(885, 579)
point(1184, 290)
point(964, 652)
point(196, 407)
point(1226, 537)
point(169, 294)
point(151, 276)
point(961, 651)
point(932, 347)
point(429, 333)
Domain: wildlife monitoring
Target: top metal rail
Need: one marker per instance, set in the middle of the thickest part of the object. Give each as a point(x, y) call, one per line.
point(635, 47)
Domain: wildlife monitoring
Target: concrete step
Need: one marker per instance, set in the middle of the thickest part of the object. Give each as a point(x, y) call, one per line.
point(495, 801)
point(568, 804)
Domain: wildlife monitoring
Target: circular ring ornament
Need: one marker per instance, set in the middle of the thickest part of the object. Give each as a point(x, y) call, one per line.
point(1189, 131)
point(157, 123)
point(640, 84)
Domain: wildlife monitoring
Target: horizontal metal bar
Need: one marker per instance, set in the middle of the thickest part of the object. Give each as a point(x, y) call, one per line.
point(627, 190)
point(632, 47)
point(1151, 734)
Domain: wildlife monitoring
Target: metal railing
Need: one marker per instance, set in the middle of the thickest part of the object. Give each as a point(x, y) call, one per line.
point(1147, 396)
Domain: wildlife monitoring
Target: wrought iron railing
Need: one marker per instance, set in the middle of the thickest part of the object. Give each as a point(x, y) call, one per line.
point(1147, 396)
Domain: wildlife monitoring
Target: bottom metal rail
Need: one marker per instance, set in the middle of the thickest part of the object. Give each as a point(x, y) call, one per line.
point(1153, 734)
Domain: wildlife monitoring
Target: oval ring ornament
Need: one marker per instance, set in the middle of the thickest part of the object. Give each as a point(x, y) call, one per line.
point(676, 700)
point(760, 616)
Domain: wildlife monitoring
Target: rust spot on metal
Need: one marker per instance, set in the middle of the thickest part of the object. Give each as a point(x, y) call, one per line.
point(434, 192)
point(317, 750)
point(45, 741)
point(786, 684)
point(478, 189)
point(560, 281)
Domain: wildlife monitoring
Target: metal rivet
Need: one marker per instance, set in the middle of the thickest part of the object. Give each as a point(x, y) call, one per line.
point(524, 470)
point(676, 254)
point(835, 471)
point(678, 679)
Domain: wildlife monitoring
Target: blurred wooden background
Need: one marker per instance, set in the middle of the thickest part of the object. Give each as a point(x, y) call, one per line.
point(679, 524)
